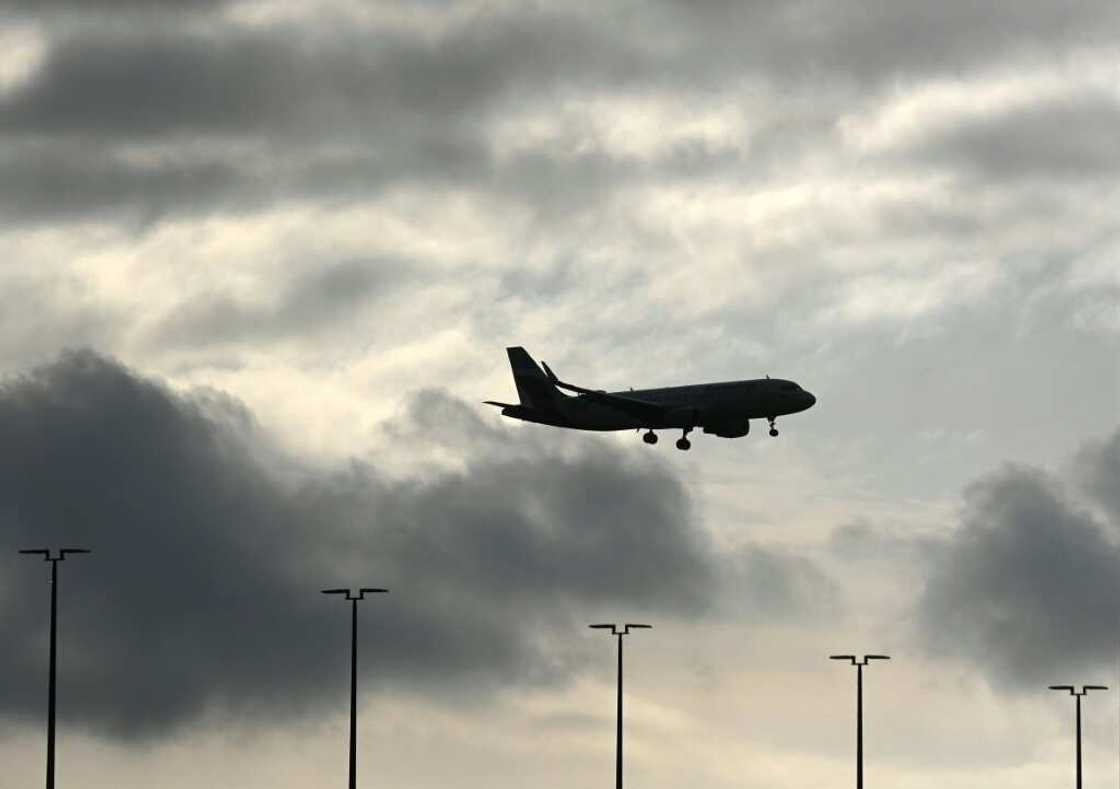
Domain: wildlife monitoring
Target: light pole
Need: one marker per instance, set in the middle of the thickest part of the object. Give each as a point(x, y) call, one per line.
point(354, 598)
point(1078, 694)
point(859, 664)
point(620, 631)
point(54, 560)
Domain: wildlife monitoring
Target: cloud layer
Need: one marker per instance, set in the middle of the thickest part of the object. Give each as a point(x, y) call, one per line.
point(202, 592)
point(1028, 588)
point(210, 548)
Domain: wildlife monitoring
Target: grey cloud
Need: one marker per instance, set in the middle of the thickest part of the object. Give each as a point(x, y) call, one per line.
point(1063, 138)
point(44, 311)
point(338, 120)
point(1097, 468)
point(59, 181)
point(277, 83)
point(102, 6)
point(310, 301)
point(872, 43)
point(864, 542)
point(202, 594)
point(1028, 588)
point(767, 584)
point(349, 113)
point(151, 84)
point(272, 81)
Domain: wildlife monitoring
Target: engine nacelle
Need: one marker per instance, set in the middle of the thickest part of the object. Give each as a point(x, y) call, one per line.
point(729, 428)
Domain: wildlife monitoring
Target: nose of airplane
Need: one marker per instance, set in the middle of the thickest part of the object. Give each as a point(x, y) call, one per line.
point(810, 400)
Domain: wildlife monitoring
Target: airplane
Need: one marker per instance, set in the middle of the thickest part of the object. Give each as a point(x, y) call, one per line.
point(721, 409)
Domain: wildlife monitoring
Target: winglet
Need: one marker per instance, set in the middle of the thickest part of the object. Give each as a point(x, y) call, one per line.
point(548, 371)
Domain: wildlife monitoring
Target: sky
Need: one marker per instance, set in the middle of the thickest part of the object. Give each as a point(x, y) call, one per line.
point(259, 263)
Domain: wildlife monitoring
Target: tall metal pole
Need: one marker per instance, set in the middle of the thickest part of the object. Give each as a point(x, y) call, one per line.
point(354, 598)
point(52, 692)
point(859, 664)
point(619, 631)
point(859, 725)
point(53, 675)
point(354, 693)
point(1079, 742)
point(1077, 694)
point(618, 723)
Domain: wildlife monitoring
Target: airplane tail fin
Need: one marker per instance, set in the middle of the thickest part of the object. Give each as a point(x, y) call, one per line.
point(535, 389)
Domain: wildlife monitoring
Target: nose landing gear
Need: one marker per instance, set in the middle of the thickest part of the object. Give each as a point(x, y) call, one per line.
point(773, 430)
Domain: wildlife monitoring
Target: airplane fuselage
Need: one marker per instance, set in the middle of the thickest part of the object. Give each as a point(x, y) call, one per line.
point(723, 409)
point(718, 407)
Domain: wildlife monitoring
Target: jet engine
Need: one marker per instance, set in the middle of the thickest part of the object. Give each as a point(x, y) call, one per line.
point(729, 428)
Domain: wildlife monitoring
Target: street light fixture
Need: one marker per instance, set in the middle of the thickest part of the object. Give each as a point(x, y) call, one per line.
point(620, 631)
point(1078, 694)
point(54, 559)
point(859, 664)
point(354, 598)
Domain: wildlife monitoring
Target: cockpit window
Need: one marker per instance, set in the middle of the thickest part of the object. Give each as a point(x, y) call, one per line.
point(790, 387)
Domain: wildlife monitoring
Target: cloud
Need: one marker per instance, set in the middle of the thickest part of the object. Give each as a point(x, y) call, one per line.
point(768, 584)
point(142, 82)
point(96, 6)
point(865, 42)
point(58, 181)
point(1097, 471)
point(863, 542)
point(308, 302)
point(210, 546)
point(1027, 589)
point(1058, 138)
point(542, 108)
point(148, 84)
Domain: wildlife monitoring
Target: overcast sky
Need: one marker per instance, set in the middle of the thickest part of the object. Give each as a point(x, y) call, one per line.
point(259, 262)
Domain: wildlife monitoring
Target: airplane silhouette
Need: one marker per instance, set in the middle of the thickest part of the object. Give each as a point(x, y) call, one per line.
point(721, 409)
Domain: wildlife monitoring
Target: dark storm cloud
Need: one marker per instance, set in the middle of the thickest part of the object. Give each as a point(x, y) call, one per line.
point(210, 548)
point(1028, 588)
point(311, 301)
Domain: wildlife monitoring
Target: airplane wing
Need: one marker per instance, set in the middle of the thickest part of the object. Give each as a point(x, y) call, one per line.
point(641, 409)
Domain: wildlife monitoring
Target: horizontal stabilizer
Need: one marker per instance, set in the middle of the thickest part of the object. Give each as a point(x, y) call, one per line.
point(500, 405)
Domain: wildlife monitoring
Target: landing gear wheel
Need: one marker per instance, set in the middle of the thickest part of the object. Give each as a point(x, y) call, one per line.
point(773, 429)
point(650, 437)
point(684, 444)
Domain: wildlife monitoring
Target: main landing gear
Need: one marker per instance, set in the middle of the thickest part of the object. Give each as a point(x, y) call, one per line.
point(682, 443)
point(773, 430)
